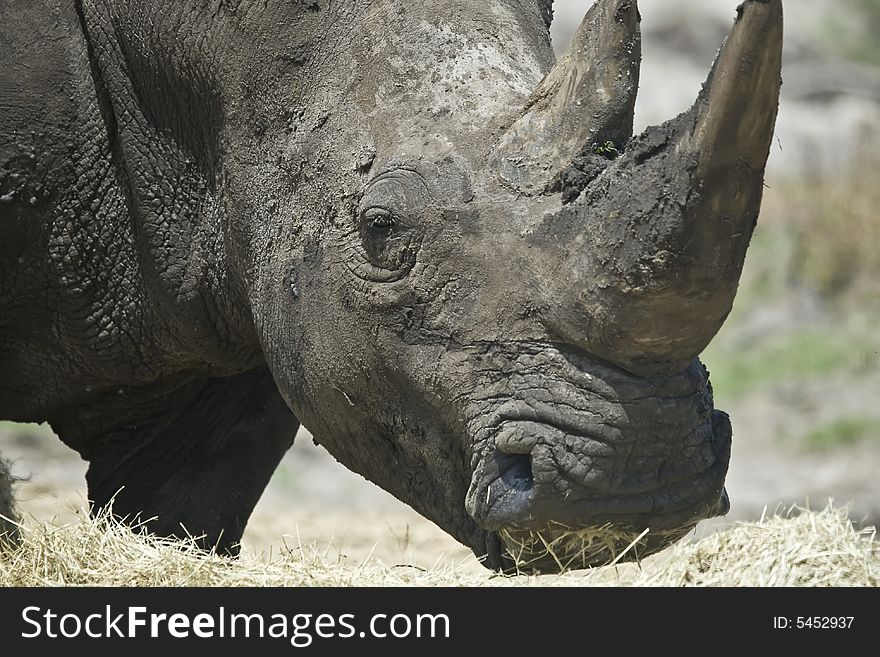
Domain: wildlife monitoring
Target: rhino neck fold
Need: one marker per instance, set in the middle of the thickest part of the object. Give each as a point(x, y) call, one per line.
point(163, 146)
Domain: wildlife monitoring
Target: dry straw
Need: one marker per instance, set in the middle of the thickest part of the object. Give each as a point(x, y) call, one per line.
point(800, 548)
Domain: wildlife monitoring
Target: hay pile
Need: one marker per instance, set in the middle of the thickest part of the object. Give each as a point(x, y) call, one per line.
point(804, 549)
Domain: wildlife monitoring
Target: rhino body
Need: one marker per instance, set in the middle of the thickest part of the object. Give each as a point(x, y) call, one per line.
point(405, 225)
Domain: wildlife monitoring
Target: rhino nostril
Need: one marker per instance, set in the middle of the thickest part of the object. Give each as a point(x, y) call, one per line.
point(515, 470)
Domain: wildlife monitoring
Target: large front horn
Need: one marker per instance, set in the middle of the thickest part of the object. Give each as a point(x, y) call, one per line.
point(654, 247)
point(587, 99)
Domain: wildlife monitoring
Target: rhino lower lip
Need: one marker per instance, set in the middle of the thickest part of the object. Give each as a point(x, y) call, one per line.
point(539, 549)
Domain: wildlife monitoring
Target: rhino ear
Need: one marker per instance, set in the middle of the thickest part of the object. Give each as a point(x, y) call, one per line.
point(588, 98)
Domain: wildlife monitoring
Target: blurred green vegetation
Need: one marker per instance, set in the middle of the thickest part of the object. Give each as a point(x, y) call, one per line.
point(853, 32)
point(21, 429)
point(791, 357)
point(843, 431)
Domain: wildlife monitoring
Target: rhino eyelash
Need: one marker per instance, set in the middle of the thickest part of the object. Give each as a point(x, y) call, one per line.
point(379, 219)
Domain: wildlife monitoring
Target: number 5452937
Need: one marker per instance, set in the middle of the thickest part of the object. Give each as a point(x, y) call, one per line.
point(824, 622)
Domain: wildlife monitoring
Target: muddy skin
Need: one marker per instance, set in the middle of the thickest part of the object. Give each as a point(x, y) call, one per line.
point(404, 225)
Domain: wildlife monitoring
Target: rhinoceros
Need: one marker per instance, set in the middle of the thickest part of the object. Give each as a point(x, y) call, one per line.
point(405, 225)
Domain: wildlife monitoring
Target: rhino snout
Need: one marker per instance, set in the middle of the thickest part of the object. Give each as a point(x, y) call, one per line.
point(620, 461)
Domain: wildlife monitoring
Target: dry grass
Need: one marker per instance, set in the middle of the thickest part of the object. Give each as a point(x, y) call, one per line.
point(804, 549)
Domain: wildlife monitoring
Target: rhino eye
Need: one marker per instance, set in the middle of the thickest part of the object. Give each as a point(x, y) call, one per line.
point(379, 220)
point(388, 246)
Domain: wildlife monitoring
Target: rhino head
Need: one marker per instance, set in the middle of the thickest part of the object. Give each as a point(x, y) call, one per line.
point(480, 291)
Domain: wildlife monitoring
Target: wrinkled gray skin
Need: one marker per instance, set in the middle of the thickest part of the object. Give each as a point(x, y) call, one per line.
point(380, 219)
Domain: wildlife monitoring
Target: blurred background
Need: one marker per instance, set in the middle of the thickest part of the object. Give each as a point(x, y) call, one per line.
point(797, 365)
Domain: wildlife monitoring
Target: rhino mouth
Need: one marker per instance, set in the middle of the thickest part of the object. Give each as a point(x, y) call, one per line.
point(594, 530)
point(613, 470)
